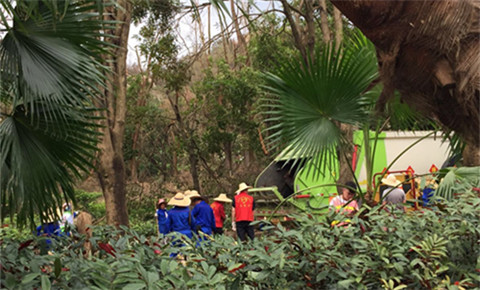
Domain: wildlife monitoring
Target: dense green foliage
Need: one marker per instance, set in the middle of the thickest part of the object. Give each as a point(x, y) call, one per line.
point(226, 99)
point(50, 74)
point(435, 248)
point(92, 202)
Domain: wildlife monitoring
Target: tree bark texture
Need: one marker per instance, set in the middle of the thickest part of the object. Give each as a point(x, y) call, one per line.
point(324, 21)
point(242, 43)
point(111, 170)
point(297, 37)
point(337, 18)
point(428, 51)
point(183, 129)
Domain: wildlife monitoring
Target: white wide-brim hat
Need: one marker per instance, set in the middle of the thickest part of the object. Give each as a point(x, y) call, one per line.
point(179, 200)
point(222, 198)
point(391, 180)
point(242, 186)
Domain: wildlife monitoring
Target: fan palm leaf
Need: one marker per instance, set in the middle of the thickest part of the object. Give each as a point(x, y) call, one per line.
point(308, 100)
point(50, 73)
point(457, 180)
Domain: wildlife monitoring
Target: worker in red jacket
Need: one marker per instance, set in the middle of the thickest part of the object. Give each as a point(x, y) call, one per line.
point(219, 212)
point(242, 209)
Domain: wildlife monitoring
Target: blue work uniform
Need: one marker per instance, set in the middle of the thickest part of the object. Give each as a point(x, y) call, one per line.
point(49, 230)
point(162, 221)
point(204, 218)
point(178, 221)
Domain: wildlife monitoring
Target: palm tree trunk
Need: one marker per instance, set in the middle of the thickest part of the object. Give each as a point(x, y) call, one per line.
point(471, 155)
point(428, 51)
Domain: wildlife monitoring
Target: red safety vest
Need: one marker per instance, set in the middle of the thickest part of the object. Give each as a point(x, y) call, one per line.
point(218, 213)
point(243, 207)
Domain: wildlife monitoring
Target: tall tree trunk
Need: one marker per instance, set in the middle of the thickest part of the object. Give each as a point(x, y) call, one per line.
point(194, 167)
point(133, 161)
point(345, 155)
point(242, 44)
point(224, 39)
point(471, 155)
point(337, 18)
point(111, 170)
point(192, 148)
point(174, 153)
point(209, 29)
point(324, 21)
point(228, 157)
point(294, 26)
point(146, 86)
point(310, 28)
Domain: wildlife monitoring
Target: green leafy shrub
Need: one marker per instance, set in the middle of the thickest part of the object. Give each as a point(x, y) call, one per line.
point(91, 202)
point(427, 249)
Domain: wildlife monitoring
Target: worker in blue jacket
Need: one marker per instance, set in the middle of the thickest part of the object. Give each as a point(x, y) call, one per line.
point(161, 215)
point(179, 217)
point(203, 214)
point(49, 228)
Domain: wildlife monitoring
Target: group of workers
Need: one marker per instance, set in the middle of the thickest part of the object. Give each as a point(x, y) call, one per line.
point(53, 227)
point(391, 193)
point(191, 214)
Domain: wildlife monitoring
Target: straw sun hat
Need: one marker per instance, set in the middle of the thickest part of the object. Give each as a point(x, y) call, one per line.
point(179, 200)
point(222, 198)
point(193, 194)
point(391, 180)
point(242, 186)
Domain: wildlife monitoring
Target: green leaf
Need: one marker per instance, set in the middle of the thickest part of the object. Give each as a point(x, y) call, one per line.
point(211, 271)
point(134, 286)
point(344, 283)
point(29, 278)
point(173, 266)
point(57, 267)
point(152, 277)
point(234, 266)
point(307, 98)
point(46, 284)
point(204, 266)
point(416, 261)
point(398, 267)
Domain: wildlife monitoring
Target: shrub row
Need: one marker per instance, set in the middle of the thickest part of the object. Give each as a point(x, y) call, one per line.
point(435, 248)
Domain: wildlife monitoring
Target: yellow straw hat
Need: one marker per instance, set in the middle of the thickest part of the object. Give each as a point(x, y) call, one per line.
point(179, 200)
point(194, 195)
point(242, 186)
point(222, 198)
point(391, 180)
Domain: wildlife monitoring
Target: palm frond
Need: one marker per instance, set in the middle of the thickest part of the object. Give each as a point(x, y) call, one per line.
point(49, 56)
point(456, 142)
point(307, 99)
point(50, 73)
point(457, 180)
point(403, 117)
